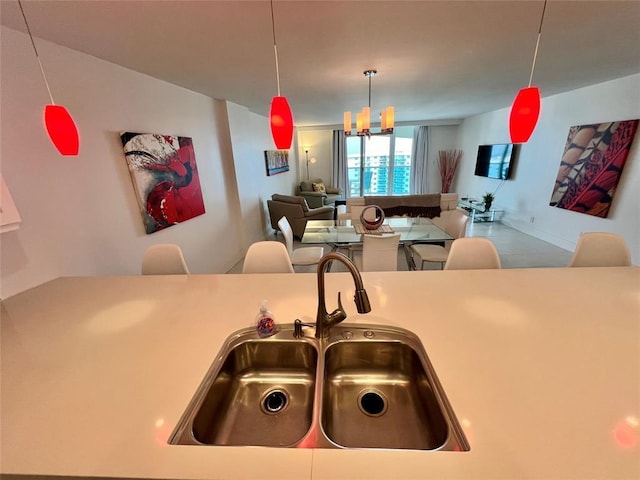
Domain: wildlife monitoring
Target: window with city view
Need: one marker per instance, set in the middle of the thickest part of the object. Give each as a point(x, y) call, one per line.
point(379, 165)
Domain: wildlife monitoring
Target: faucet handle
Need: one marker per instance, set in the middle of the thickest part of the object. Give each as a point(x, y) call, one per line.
point(338, 314)
point(340, 303)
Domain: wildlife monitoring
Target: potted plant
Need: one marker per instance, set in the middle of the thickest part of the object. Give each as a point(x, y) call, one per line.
point(487, 198)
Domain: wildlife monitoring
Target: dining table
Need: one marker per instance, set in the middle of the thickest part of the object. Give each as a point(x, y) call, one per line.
point(345, 233)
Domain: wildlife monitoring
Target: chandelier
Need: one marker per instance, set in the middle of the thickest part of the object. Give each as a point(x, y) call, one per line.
point(363, 118)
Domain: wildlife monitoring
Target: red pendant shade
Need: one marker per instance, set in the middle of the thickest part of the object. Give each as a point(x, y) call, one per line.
point(281, 123)
point(62, 130)
point(524, 114)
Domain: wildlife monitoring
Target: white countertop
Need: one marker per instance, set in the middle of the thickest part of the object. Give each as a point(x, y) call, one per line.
point(541, 366)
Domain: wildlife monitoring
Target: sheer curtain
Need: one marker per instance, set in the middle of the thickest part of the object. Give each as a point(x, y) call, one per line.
point(339, 175)
point(420, 160)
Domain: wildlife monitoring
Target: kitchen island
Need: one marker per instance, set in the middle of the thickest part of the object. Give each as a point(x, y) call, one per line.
point(541, 366)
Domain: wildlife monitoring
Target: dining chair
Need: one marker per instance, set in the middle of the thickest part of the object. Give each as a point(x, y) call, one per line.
point(298, 256)
point(164, 259)
point(472, 253)
point(380, 252)
point(601, 249)
point(355, 212)
point(456, 227)
point(267, 256)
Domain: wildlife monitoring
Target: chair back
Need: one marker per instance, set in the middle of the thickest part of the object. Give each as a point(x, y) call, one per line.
point(267, 257)
point(472, 253)
point(287, 233)
point(601, 249)
point(164, 259)
point(457, 224)
point(356, 211)
point(380, 253)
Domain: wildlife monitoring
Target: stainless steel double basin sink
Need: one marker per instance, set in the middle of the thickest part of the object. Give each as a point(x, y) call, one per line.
point(366, 386)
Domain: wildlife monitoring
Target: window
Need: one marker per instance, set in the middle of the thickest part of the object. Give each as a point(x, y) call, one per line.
point(381, 164)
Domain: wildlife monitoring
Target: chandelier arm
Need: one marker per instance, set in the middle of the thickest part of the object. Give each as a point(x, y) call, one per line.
point(36, 52)
point(535, 53)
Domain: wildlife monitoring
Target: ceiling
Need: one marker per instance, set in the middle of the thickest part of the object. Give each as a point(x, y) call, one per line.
point(436, 60)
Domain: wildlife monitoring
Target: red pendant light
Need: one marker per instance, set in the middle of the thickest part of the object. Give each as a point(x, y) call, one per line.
point(280, 116)
point(524, 114)
point(62, 130)
point(281, 123)
point(60, 126)
point(525, 109)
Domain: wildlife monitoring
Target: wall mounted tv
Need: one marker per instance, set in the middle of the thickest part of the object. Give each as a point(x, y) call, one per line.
point(496, 161)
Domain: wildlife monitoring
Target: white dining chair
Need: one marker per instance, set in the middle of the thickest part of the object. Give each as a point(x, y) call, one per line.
point(456, 227)
point(355, 213)
point(298, 256)
point(601, 249)
point(472, 253)
point(380, 252)
point(267, 256)
point(164, 259)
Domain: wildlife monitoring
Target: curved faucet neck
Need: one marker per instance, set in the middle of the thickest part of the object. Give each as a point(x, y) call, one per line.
point(325, 320)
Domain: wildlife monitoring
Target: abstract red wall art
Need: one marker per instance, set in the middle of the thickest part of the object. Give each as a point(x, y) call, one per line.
point(165, 178)
point(591, 165)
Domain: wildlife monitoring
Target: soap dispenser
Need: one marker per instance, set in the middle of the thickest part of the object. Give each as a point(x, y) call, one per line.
point(265, 323)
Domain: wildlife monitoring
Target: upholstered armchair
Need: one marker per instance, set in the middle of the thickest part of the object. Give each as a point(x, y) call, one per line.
point(297, 212)
point(319, 196)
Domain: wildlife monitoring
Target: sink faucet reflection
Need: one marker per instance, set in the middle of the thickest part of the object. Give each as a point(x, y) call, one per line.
point(325, 320)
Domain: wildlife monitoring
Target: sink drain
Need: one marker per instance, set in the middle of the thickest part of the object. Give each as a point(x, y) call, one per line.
point(372, 403)
point(274, 401)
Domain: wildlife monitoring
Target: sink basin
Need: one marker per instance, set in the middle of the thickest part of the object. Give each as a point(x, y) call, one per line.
point(377, 395)
point(366, 386)
point(261, 393)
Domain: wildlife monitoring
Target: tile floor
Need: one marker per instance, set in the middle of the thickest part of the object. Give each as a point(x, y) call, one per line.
point(516, 249)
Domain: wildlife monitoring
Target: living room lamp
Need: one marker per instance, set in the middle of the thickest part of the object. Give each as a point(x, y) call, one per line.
point(280, 116)
point(363, 118)
point(309, 161)
point(58, 122)
point(526, 106)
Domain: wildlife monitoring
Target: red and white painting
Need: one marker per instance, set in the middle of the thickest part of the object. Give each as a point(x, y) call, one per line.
point(165, 177)
point(591, 165)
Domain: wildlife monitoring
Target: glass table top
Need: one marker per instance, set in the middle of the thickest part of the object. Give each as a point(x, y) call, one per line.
point(411, 229)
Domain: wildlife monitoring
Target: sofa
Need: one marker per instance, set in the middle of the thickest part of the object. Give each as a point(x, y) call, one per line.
point(437, 206)
point(317, 199)
point(297, 212)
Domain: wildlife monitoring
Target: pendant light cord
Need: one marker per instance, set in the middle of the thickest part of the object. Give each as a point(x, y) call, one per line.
point(275, 48)
point(535, 53)
point(36, 51)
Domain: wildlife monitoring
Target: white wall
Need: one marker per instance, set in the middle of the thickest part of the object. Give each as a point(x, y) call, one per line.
point(254, 187)
point(441, 138)
point(527, 195)
point(80, 215)
point(320, 145)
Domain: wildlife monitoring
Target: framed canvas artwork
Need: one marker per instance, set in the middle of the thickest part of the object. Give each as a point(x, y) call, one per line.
point(591, 165)
point(165, 178)
point(277, 161)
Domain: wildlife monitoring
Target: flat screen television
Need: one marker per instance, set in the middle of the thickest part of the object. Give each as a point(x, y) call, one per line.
point(496, 161)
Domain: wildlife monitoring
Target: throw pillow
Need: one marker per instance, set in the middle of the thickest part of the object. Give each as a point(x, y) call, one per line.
point(319, 187)
point(306, 187)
